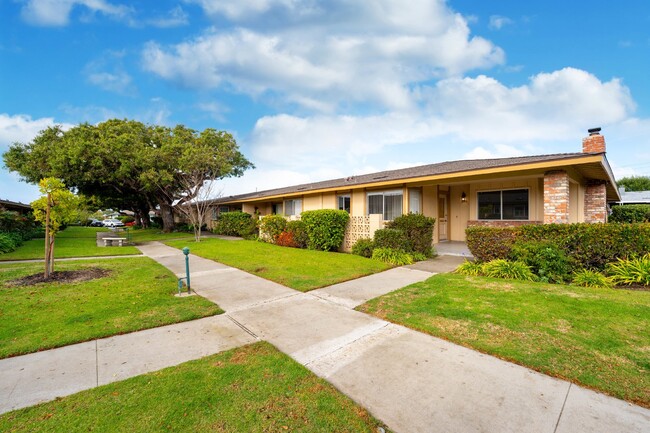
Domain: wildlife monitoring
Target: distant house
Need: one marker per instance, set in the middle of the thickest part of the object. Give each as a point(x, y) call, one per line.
point(634, 197)
point(558, 188)
point(15, 206)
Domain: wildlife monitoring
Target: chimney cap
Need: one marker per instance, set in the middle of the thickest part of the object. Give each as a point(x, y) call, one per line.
point(594, 131)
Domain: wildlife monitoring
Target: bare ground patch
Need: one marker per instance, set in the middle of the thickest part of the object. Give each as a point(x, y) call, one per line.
point(61, 277)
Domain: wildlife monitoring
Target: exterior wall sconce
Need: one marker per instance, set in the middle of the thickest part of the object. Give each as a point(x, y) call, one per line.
point(463, 197)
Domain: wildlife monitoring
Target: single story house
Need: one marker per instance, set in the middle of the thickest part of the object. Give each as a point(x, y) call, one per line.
point(558, 188)
point(634, 197)
point(15, 206)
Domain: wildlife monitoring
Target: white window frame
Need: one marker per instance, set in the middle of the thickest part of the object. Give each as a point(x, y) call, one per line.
point(383, 194)
point(418, 193)
point(502, 190)
point(338, 202)
point(292, 207)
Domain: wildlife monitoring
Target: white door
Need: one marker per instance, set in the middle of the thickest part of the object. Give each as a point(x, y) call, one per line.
point(442, 217)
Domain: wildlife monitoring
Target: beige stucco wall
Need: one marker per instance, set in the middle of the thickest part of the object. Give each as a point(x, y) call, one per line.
point(430, 206)
point(312, 202)
point(249, 208)
point(358, 203)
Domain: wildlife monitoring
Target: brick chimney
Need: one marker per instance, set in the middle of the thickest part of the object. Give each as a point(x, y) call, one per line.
point(594, 143)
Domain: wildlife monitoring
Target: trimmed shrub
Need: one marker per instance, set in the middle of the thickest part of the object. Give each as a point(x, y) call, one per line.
point(590, 246)
point(24, 226)
point(326, 228)
point(272, 226)
point(418, 230)
point(473, 269)
point(589, 278)
point(298, 230)
point(126, 219)
point(630, 213)
point(285, 239)
point(394, 239)
point(630, 271)
point(236, 223)
point(489, 243)
point(507, 269)
point(394, 257)
point(363, 247)
point(9, 241)
point(546, 260)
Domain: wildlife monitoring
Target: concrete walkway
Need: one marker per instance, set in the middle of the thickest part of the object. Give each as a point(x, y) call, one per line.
point(410, 381)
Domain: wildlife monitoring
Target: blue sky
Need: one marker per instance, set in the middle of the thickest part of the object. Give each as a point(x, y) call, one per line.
point(314, 90)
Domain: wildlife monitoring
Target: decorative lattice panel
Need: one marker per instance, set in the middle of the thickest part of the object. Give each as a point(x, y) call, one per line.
point(358, 228)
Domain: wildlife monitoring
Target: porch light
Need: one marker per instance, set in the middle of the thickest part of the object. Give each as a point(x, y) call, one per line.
point(463, 197)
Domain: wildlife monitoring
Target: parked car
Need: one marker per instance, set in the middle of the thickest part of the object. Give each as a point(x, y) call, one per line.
point(96, 223)
point(112, 222)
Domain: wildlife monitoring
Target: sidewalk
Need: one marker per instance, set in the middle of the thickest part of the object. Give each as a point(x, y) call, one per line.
point(410, 381)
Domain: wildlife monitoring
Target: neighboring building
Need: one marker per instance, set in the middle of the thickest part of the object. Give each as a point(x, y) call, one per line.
point(634, 197)
point(14, 206)
point(560, 188)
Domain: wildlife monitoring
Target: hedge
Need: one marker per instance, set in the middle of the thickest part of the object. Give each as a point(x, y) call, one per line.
point(418, 229)
point(325, 228)
point(271, 227)
point(393, 239)
point(590, 246)
point(236, 223)
point(630, 213)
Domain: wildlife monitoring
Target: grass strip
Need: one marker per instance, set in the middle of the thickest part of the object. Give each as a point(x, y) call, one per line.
point(299, 269)
point(71, 242)
point(137, 294)
point(597, 338)
point(254, 388)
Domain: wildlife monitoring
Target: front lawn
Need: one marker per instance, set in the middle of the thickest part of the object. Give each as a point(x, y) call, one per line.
point(71, 242)
point(136, 294)
point(299, 269)
point(598, 338)
point(254, 388)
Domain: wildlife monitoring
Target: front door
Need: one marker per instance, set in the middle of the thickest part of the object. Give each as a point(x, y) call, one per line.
point(442, 217)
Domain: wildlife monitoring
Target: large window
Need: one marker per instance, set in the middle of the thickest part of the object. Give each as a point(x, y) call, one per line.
point(386, 203)
point(503, 205)
point(344, 202)
point(293, 207)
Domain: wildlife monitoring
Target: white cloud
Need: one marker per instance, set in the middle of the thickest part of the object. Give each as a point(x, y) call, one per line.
point(107, 72)
point(360, 52)
point(497, 22)
point(57, 12)
point(175, 17)
point(496, 151)
point(22, 128)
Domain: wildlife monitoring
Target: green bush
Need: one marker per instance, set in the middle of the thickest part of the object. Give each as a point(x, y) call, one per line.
point(272, 226)
point(631, 271)
point(126, 219)
point(236, 223)
point(298, 231)
point(418, 257)
point(363, 247)
point(630, 213)
point(589, 278)
point(394, 257)
point(474, 269)
point(22, 225)
point(394, 239)
point(546, 260)
point(326, 228)
point(418, 230)
point(590, 246)
point(500, 268)
point(490, 243)
point(9, 241)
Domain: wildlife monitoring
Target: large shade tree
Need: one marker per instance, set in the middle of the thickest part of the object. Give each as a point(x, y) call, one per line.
point(635, 183)
point(130, 164)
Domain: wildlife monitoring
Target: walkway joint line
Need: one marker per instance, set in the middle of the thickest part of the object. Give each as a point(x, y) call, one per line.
point(566, 397)
point(245, 329)
point(96, 363)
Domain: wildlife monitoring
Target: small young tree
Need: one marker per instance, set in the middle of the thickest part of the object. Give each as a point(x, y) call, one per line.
point(195, 203)
point(57, 206)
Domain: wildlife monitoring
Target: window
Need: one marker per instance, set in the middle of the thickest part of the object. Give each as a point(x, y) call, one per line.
point(277, 208)
point(386, 203)
point(293, 207)
point(344, 202)
point(503, 205)
point(415, 200)
point(218, 211)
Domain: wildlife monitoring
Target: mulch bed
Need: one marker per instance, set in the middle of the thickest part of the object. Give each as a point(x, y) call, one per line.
point(62, 277)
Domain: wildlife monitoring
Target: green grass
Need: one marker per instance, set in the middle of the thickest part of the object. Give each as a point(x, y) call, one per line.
point(299, 269)
point(598, 338)
point(136, 295)
point(71, 242)
point(145, 235)
point(251, 389)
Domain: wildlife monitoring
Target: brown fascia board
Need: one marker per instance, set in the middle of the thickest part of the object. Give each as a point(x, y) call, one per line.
point(420, 174)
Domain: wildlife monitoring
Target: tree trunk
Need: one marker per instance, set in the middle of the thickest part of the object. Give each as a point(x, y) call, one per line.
point(167, 214)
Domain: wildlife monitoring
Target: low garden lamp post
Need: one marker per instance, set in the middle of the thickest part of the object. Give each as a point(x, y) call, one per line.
point(186, 251)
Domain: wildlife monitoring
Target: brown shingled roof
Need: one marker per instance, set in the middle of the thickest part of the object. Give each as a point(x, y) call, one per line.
point(405, 173)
